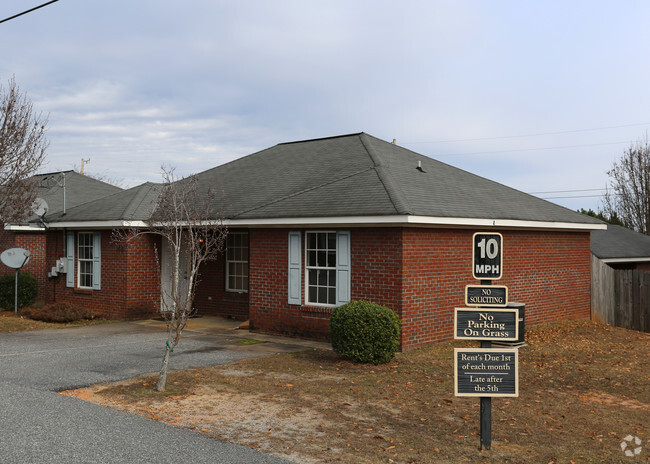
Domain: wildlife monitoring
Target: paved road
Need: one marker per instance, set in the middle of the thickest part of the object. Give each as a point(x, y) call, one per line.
point(38, 425)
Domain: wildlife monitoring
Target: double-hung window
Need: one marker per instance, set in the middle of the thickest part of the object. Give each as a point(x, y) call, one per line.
point(326, 268)
point(321, 268)
point(85, 259)
point(84, 269)
point(237, 262)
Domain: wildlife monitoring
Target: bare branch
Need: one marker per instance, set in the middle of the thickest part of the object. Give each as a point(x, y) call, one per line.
point(628, 195)
point(23, 148)
point(191, 236)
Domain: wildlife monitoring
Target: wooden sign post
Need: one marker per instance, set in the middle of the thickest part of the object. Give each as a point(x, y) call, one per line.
point(486, 372)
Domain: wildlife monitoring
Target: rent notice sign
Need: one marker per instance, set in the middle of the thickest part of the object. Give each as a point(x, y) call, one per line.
point(486, 372)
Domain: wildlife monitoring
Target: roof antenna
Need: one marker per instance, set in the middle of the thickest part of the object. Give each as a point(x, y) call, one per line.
point(83, 161)
point(420, 168)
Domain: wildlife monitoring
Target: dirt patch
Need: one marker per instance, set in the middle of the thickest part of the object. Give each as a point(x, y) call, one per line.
point(583, 388)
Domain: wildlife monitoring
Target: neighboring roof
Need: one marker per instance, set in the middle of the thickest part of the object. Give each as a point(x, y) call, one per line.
point(133, 204)
point(620, 244)
point(360, 176)
point(63, 189)
point(79, 189)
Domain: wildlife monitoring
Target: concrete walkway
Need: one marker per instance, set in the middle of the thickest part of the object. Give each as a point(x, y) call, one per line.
point(38, 425)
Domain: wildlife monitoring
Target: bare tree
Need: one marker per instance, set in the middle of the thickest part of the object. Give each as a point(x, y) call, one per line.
point(628, 195)
point(193, 233)
point(22, 151)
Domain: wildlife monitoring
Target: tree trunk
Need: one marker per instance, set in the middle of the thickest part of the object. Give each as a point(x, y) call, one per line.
point(162, 377)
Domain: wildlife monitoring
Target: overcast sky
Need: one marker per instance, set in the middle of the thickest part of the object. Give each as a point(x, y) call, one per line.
point(540, 96)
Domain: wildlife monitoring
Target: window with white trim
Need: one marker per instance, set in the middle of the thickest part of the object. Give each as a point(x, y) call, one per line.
point(320, 268)
point(88, 260)
point(237, 262)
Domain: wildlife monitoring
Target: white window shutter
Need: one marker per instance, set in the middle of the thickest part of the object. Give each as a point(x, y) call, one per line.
point(295, 265)
point(69, 277)
point(342, 267)
point(97, 261)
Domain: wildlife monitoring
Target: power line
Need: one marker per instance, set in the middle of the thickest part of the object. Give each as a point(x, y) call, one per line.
point(28, 11)
point(573, 196)
point(535, 134)
point(568, 191)
point(532, 149)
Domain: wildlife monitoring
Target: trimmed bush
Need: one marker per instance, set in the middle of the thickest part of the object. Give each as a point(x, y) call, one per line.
point(365, 332)
point(58, 312)
point(27, 290)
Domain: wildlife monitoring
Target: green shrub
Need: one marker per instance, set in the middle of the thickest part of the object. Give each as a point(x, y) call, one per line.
point(365, 332)
point(58, 312)
point(27, 290)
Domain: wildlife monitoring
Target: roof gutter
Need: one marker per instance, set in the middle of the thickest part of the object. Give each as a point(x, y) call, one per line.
point(97, 225)
point(24, 228)
point(358, 221)
point(625, 260)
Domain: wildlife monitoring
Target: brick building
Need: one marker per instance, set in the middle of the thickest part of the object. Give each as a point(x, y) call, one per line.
point(317, 223)
point(60, 190)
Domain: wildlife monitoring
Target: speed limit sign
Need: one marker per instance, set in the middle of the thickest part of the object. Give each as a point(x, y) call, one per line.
point(487, 255)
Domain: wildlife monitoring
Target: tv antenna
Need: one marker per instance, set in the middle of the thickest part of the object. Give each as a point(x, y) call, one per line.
point(83, 161)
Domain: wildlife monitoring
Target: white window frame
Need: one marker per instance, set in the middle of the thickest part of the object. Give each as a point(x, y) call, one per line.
point(87, 261)
point(329, 269)
point(230, 261)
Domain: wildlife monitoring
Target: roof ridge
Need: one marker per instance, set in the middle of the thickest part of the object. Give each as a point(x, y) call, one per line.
point(354, 134)
point(397, 199)
point(138, 198)
point(277, 200)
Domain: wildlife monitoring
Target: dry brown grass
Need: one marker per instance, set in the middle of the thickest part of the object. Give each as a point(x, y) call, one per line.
point(12, 322)
point(583, 387)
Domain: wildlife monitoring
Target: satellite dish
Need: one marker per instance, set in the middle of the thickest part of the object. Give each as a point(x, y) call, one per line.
point(39, 207)
point(15, 258)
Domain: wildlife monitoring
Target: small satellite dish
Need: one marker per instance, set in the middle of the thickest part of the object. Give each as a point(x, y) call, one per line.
point(39, 207)
point(15, 258)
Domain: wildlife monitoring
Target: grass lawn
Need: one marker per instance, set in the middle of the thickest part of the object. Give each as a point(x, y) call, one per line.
point(12, 322)
point(583, 388)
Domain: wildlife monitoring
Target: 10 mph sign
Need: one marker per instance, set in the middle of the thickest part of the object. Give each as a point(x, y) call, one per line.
point(487, 256)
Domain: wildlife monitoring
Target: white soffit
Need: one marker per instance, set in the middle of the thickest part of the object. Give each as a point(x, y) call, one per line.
point(625, 260)
point(350, 221)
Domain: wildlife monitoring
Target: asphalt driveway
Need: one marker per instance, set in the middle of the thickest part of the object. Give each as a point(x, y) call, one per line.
point(38, 425)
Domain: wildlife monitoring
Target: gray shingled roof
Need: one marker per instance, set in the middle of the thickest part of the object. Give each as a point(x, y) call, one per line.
point(133, 204)
point(619, 242)
point(79, 189)
point(360, 175)
point(353, 175)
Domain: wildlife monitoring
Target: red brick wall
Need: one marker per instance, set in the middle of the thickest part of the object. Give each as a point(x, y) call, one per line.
point(35, 243)
point(436, 268)
point(269, 309)
point(129, 278)
point(212, 299)
point(421, 274)
point(554, 280)
point(548, 271)
point(375, 257)
point(142, 275)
